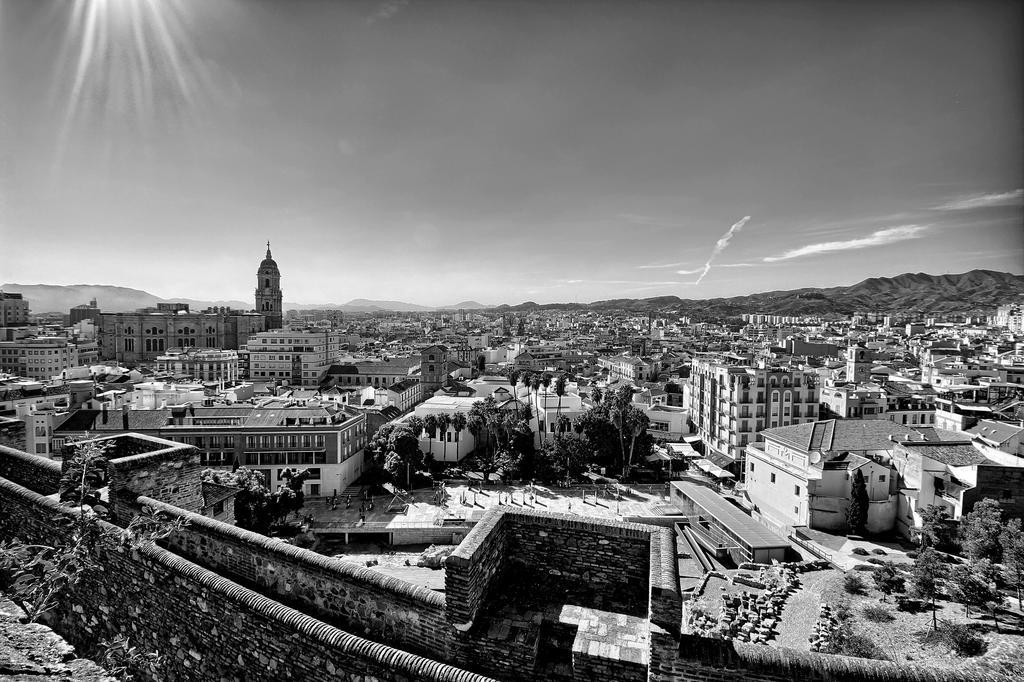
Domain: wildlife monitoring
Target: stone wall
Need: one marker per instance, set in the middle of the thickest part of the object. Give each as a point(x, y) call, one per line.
point(12, 433)
point(38, 474)
point(205, 625)
point(703, 660)
point(611, 559)
point(473, 567)
point(355, 598)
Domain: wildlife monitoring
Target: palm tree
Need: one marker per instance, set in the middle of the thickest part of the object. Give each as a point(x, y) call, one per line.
point(635, 423)
point(513, 380)
point(459, 424)
point(559, 391)
point(546, 383)
point(596, 395)
point(535, 387)
point(416, 424)
point(444, 421)
point(430, 424)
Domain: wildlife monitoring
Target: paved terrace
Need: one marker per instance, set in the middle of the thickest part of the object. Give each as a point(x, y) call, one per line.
point(463, 503)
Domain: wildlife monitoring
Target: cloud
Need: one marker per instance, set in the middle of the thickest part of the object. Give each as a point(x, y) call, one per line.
point(877, 238)
point(720, 246)
point(387, 10)
point(661, 265)
point(983, 201)
point(690, 272)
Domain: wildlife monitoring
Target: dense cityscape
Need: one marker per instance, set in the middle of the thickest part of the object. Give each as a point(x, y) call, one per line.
point(447, 341)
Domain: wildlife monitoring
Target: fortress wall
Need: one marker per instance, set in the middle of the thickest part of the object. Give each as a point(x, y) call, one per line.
point(206, 626)
point(38, 474)
point(704, 660)
point(610, 557)
point(350, 596)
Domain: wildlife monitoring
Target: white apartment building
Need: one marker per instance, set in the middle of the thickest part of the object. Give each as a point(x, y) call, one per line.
point(203, 364)
point(731, 404)
point(296, 357)
point(38, 357)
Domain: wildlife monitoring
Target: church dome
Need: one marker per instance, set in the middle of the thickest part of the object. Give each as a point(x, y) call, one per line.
point(269, 263)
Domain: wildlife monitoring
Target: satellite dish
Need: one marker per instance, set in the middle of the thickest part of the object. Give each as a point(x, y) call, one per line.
point(815, 457)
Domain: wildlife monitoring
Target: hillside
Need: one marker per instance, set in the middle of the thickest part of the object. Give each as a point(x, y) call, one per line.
point(970, 292)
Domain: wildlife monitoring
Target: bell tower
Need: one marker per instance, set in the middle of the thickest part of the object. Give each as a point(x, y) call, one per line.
point(268, 292)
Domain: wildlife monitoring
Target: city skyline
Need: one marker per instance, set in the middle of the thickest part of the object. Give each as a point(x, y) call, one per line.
point(437, 152)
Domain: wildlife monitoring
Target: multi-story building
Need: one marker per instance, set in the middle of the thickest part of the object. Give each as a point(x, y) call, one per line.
point(85, 312)
point(1010, 316)
point(38, 357)
point(433, 368)
point(13, 310)
point(730, 404)
point(629, 367)
point(204, 364)
point(802, 475)
point(145, 335)
point(300, 357)
point(267, 437)
point(381, 373)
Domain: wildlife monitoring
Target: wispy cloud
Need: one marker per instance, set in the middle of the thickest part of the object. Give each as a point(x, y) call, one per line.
point(983, 201)
point(387, 10)
point(878, 238)
point(720, 246)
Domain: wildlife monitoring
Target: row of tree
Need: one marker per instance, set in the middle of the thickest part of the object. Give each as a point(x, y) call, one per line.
point(257, 507)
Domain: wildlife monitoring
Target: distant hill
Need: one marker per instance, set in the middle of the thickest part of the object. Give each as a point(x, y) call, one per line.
point(969, 292)
point(52, 298)
point(47, 298)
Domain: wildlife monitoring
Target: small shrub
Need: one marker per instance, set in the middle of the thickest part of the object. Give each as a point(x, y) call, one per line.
point(875, 561)
point(957, 636)
point(911, 555)
point(864, 567)
point(878, 614)
point(879, 551)
point(853, 584)
point(846, 641)
point(859, 551)
point(908, 605)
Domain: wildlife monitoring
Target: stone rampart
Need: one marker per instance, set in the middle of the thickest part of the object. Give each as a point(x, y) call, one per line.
point(704, 660)
point(355, 598)
point(38, 474)
point(206, 626)
point(473, 568)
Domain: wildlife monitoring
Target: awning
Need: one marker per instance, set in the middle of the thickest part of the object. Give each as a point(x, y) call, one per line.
point(659, 456)
point(712, 469)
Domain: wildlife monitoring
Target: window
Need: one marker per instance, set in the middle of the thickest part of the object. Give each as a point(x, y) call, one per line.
point(1007, 494)
point(218, 508)
point(881, 479)
point(773, 478)
point(796, 490)
point(314, 489)
point(751, 466)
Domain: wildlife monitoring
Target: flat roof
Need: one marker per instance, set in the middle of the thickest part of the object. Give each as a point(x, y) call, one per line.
point(714, 505)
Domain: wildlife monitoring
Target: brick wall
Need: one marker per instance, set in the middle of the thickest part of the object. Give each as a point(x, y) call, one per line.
point(35, 473)
point(611, 559)
point(206, 626)
point(472, 568)
point(366, 602)
point(703, 660)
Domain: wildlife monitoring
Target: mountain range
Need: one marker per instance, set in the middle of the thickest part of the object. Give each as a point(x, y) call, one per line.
point(969, 292)
point(45, 298)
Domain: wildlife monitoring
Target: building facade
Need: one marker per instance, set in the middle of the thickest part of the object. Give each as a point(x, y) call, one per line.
point(204, 364)
point(297, 357)
point(731, 404)
point(13, 310)
point(39, 357)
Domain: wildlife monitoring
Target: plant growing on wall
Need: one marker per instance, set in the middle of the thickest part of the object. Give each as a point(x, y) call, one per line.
point(128, 663)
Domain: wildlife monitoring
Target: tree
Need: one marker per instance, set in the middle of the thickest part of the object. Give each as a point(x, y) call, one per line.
point(857, 512)
point(403, 453)
point(1011, 539)
point(444, 422)
point(928, 570)
point(459, 425)
point(545, 382)
point(563, 458)
point(596, 395)
point(254, 506)
point(888, 579)
point(934, 526)
point(415, 425)
point(971, 585)
point(535, 382)
point(430, 425)
point(980, 530)
point(560, 392)
point(513, 381)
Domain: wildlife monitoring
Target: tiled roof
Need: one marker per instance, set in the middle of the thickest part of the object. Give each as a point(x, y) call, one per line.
point(997, 432)
point(840, 434)
point(958, 455)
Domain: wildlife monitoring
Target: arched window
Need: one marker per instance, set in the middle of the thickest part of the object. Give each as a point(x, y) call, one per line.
point(266, 283)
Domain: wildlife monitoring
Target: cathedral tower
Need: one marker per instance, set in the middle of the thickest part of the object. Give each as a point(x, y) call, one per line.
point(268, 291)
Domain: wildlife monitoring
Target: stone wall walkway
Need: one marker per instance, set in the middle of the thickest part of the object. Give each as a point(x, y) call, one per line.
point(34, 652)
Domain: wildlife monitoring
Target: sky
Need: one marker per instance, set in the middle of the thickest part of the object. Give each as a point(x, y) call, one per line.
point(436, 151)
